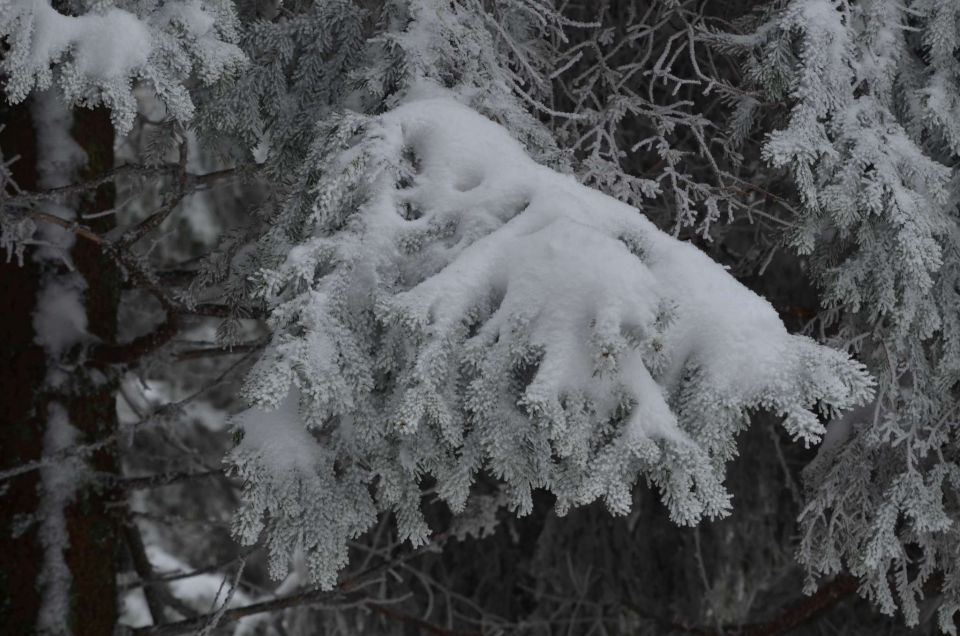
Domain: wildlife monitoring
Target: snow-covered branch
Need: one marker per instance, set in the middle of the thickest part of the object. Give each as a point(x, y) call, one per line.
point(95, 58)
point(443, 305)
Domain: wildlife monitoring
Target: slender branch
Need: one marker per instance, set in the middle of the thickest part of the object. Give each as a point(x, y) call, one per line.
point(187, 184)
point(158, 597)
point(226, 350)
point(144, 569)
point(179, 576)
point(53, 194)
point(76, 228)
point(213, 178)
point(409, 619)
point(165, 412)
point(23, 197)
point(217, 616)
point(294, 600)
point(139, 347)
point(807, 609)
point(81, 450)
point(348, 593)
point(788, 619)
point(152, 222)
point(214, 310)
point(165, 479)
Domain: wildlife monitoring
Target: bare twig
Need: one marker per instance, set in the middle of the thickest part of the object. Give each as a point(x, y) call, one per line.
point(225, 350)
point(26, 197)
point(170, 577)
point(54, 194)
point(805, 610)
point(424, 626)
point(235, 614)
point(73, 226)
point(347, 593)
point(141, 564)
point(795, 615)
point(165, 479)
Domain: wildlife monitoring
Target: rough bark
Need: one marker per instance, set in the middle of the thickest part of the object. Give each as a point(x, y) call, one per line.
point(89, 397)
point(95, 535)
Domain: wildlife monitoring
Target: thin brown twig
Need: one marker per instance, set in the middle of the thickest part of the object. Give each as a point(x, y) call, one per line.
point(409, 619)
point(23, 197)
point(165, 479)
point(170, 577)
point(76, 228)
point(807, 609)
point(53, 194)
point(347, 593)
point(789, 618)
point(144, 570)
point(215, 310)
point(231, 615)
point(225, 350)
point(141, 346)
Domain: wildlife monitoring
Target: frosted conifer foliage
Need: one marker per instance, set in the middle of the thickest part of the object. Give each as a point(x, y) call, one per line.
point(872, 145)
point(95, 57)
point(442, 305)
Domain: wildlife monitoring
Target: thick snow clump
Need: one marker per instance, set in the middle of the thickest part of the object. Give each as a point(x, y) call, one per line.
point(442, 305)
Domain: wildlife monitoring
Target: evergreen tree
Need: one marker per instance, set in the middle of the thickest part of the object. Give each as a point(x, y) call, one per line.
point(472, 299)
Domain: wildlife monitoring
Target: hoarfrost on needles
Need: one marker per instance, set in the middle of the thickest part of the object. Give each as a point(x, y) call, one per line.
point(443, 305)
point(95, 57)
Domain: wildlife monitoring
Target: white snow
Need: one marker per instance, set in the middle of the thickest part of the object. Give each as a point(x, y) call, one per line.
point(58, 485)
point(560, 256)
point(96, 57)
point(278, 436)
point(106, 45)
point(639, 355)
point(60, 320)
point(59, 153)
point(59, 156)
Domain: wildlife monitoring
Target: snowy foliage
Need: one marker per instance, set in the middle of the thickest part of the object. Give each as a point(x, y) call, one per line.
point(632, 76)
point(441, 305)
point(454, 247)
point(871, 143)
point(95, 57)
point(323, 58)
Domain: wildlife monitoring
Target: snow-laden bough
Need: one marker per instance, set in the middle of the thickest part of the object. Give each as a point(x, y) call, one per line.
point(96, 57)
point(442, 305)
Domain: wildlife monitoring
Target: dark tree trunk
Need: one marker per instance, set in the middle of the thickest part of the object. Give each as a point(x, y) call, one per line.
point(93, 520)
point(22, 370)
point(89, 397)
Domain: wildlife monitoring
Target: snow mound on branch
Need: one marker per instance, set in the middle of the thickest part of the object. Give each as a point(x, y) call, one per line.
point(96, 57)
point(444, 305)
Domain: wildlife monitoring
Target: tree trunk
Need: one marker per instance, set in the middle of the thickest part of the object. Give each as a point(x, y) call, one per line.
point(22, 370)
point(93, 523)
point(87, 395)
